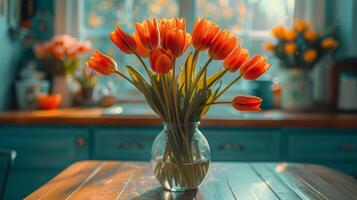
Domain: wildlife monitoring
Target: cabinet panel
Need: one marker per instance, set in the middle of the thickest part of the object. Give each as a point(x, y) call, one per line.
point(24, 182)
point(317, 144)
point(124, 143)
point(244, 144)
point(46, 147)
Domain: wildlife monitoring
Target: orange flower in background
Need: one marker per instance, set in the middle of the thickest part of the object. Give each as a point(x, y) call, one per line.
point(290, 35)
point(290, 48)
point(222, 45)
point(268, 46)
point(175, 40)
point(310, 36)
point(203, 34)
point(58, 52)
point(161, 60)
point(279, 32)
point(123, 41)
point(247, 103)
point(235, 60)
point(102, 63)
point(254, 67)
point(141, 50)
point(148, 32)
point(310, 55)
point(329, 43)
point(301, 25)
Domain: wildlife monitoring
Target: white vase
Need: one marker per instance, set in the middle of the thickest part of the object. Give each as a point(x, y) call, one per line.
point(60, 86)
point(297, 89)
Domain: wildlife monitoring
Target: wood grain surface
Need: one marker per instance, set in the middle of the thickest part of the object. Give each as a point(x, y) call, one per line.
point(128, 180)
point(95, 116)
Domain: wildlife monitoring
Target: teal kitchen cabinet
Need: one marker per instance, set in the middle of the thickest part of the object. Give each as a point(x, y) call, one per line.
point(333, 147)
point(244, 144)
point(124, 143)
point(41, 153)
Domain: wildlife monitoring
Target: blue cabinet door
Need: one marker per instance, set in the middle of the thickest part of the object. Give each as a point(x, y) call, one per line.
point(124, 143)
point(244, 144)
point(45, 147)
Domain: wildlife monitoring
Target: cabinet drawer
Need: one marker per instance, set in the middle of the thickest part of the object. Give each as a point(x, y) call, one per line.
point(322, 145)
point(124, 143)
point(47, 147)
point(244, 144)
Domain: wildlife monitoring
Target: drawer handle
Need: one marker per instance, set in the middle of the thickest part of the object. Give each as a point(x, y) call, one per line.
point(231, 147)
point(81, 142)
point(348, 147)
point(131, 146)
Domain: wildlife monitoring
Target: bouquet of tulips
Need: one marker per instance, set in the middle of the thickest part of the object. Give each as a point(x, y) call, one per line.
point(61, 54)
point(181, 94)
point(300, 46)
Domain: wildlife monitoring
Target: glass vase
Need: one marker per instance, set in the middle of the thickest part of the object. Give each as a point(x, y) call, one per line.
point(180, 157)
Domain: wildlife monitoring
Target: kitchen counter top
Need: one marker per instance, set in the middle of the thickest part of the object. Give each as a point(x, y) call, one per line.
point(126, 116)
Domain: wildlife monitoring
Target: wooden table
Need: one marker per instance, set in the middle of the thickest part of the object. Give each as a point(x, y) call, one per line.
point(128, 180)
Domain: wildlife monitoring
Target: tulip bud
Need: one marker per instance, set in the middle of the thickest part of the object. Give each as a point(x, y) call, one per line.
point(254, 67)
point(247, 103)
point(161, 60)
point(102, 63)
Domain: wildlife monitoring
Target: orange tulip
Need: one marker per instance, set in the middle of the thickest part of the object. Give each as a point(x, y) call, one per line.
point(329, 43)
point(279, 32)
point(247, 103)
point(310, 36)
point(161, 60)
point(203, 34)
point(290, 48)
point(123, 41)
point(290, 35)
point(142, 51)
point(222, 45)
point(102, 63)
point(235, 60)
point(310, 55)
point(301, 25)
point(268, 46)
point(39, 51)
point(148, 32)
point(254, 67)
point(175, 40)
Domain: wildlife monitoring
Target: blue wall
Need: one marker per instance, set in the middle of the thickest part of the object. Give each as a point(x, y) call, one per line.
point(10, 54)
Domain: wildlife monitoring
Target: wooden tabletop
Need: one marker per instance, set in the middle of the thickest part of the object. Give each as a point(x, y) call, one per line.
point(98, 116)
point(127, 180)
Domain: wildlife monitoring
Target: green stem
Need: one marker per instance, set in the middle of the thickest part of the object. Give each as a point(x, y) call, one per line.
point(218, 102)
point(226, 88)
point(125, 77)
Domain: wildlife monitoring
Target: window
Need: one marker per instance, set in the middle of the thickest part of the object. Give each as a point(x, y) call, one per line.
point(250, 20)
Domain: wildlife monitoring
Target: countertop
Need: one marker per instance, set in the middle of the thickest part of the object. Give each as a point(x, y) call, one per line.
point(130, 115)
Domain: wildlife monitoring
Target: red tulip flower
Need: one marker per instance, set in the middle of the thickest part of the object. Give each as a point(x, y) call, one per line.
point(141, 50)
point(102, 63)
point(148, 32)
point(203, 34)
point(161, 60)
point(222, 45)
point(254, 67)
point(235, 60)
point(247, 103)
point(173, 23)
point(175, 40)
point(123, 41)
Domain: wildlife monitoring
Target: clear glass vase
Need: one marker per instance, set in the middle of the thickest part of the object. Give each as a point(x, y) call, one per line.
point(180, 157)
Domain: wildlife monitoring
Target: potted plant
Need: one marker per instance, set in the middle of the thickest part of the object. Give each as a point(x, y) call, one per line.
point(181, 94)
point(61, 57)
point(299, 49)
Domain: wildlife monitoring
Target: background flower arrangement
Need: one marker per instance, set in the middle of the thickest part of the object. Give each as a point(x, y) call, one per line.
point(302, 46)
